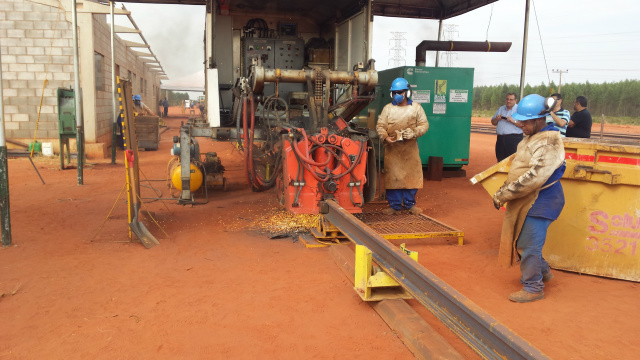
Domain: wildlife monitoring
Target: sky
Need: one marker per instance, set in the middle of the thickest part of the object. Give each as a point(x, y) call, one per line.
point(595, 41)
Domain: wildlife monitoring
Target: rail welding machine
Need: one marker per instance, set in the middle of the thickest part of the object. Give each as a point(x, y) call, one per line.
point(323, 166)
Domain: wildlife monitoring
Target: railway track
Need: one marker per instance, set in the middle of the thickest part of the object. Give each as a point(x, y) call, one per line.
point(484, 334)
point(490, 129)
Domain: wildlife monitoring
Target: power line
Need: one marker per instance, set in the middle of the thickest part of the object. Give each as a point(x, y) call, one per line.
point(560, 71)
point(541, 44)
point(591, 35)
point(488, 25)
point(605, 69)
point(450, 33)
point(397, 51)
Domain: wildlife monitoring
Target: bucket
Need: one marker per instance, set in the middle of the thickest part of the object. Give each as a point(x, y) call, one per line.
point(37, 148)
point(47, 149)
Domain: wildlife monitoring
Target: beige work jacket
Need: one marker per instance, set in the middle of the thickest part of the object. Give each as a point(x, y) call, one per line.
point(537, 157)
point(402, 164)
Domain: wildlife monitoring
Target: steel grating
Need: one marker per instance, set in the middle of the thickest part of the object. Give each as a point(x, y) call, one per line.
point(404, 225)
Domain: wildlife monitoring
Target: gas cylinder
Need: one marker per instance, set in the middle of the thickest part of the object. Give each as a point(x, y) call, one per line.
point(195, 177)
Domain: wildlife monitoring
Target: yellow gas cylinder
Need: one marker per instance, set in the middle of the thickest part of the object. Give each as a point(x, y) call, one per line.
point(195, 178)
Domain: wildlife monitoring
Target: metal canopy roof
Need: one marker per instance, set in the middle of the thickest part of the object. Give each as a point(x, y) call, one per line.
point(322, 11)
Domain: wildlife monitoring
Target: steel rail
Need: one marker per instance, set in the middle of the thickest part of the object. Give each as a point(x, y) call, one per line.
point(483, 333)
point(488, 129)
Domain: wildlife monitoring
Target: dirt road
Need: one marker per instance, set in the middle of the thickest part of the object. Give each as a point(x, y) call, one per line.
point(215, 289)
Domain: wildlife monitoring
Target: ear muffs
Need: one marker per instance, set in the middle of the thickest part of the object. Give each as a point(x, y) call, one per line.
point(549, 105)
point(407, 93)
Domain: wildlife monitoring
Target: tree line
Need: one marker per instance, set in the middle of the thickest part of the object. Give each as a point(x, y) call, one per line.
point(177, 98)
point(612, 99)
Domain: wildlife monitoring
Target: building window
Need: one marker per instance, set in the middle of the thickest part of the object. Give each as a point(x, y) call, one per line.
point(99, 75)
point(129, 75)
point(141, 86)
point(133, 84)
point(117, 71)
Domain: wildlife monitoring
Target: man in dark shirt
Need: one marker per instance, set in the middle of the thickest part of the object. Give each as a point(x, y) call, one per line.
point(165, 104)
point(580, 123)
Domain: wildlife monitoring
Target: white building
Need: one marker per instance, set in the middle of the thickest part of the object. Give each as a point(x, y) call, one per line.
point(37, 43)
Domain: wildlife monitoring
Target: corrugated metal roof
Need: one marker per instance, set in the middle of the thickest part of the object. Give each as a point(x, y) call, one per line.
point(323, 11)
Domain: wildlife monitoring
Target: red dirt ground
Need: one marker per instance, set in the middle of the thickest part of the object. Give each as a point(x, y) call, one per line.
point(215, 289)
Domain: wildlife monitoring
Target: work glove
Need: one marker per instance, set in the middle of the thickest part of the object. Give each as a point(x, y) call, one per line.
point(496, 203)
point(408, 134)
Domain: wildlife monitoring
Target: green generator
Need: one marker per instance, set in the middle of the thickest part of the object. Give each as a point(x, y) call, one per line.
point(446, 95)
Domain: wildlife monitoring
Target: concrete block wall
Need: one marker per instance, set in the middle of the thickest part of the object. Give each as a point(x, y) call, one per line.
point(32, 42)
point(27, 38)
point(127, 60)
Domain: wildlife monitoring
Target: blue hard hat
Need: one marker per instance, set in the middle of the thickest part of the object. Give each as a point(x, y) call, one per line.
point(399, 84)
point(530, 107)
point(137, 97)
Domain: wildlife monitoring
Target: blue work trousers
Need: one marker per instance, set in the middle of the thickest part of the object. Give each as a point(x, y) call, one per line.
point(529, 246)
point(398, 197)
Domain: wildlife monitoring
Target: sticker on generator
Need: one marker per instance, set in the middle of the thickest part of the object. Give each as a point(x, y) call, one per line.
point(439, 108)
point(441, 91)
point(421, 96)
point(459, 96)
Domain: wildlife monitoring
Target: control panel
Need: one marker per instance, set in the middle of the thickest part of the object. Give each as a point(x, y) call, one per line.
point(285, 54)
point(289, 54)
point(261, 49)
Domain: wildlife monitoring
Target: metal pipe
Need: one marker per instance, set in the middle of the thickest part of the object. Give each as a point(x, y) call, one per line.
point(368, 78)
point(483, 333)
point(76, 74)
point(113, 87)
point(524, 48)
point(5, 209)
point(439, 35)
point(431, 45)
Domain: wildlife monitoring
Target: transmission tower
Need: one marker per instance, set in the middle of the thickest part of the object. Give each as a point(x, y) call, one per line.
point(397, 50)
point(450, 33)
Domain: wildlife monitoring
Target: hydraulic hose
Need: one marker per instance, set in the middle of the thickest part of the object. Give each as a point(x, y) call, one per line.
point(306, 162)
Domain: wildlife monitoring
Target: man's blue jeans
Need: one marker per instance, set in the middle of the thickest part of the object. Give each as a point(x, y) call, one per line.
point(529, 246)
point(396, 198)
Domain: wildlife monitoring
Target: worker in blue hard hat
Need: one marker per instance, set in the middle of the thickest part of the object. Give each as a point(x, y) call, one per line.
point(399, 125)
point(139, 108)
point(533, 195)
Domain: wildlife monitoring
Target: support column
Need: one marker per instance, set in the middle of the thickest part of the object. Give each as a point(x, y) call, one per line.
point(212, 90)
point(439, 35)
point(524, 48)
point(113, 87)
point(5, 210)
point(78, 98)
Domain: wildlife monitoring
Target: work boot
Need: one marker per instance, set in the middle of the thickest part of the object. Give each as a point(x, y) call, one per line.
point(415, 210)
point(390, 211)
point(546, 277)
point(523, 296)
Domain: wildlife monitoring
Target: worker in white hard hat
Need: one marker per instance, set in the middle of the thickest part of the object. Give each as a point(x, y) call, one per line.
point(399, 125)
point(533, 196)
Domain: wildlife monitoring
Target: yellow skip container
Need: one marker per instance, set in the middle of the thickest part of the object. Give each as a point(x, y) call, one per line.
point(598, 231)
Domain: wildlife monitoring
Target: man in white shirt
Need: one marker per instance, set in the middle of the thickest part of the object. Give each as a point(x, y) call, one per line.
point(509, 135)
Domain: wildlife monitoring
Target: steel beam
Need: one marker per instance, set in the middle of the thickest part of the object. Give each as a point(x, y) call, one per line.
point(483, 333)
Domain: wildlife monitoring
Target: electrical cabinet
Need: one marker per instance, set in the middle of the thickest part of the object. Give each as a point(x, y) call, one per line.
point(446, 96)
point(276, 54)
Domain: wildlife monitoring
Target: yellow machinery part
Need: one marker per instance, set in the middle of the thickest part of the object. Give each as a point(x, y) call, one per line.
point(195, 178)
